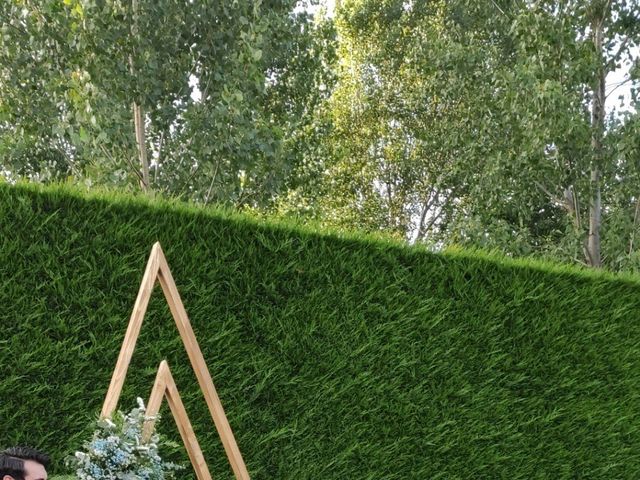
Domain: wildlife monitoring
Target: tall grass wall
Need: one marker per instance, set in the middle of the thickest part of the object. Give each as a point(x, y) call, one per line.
point(335, 357)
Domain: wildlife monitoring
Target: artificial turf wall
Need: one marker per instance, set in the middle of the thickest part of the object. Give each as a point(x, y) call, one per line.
point(335, 357)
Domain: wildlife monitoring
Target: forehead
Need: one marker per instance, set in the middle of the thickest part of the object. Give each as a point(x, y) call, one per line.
point(34, 470)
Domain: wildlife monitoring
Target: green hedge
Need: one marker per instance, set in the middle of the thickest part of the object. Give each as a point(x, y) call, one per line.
point(336, 357)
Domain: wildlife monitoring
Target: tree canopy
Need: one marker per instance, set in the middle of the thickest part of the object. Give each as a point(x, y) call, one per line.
point(487, 124)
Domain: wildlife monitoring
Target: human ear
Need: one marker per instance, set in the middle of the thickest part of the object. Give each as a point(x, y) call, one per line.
point(8, 477)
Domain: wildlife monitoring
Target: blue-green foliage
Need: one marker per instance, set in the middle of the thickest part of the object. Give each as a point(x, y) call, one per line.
point(335, 357)
point(118, 451)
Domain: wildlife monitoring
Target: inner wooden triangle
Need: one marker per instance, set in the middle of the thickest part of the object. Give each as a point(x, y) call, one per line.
point(158, 269)
point(165, 387)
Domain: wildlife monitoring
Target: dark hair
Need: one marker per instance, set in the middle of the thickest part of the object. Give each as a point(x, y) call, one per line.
point(12, 461)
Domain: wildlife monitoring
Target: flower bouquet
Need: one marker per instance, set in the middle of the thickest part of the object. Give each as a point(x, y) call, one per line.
point(117, 451)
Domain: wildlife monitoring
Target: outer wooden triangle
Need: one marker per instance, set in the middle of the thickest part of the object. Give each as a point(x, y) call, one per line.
point(157, 268)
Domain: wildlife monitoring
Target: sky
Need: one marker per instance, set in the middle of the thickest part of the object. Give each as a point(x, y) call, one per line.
point(617, 87)
point(329, 4)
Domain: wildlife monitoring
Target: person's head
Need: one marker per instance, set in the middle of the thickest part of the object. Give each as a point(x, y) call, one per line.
point(23, 463)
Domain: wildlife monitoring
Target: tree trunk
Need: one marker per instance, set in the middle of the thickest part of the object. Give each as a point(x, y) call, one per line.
point(593, 254)
point(141, 141)
point(138, 113)
point(635, 225)
point(593, 242)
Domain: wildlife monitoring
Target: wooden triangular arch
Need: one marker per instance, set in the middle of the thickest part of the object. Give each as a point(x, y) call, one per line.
point(157, 268)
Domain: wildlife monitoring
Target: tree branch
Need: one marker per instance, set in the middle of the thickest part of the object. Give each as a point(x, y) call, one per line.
point(427, 206)
point(618, 85)
point(215, 174)
point(498, 7)
point(552, 197)
point(434, 220)
point(134, 168)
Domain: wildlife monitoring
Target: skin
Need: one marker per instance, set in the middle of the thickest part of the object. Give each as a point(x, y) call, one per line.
point(32, 471)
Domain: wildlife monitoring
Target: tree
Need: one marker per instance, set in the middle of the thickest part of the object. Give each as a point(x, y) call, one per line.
point(396, 156)
point(482, 123)
point(591, 39)
point(187, 98)
point(33, 85)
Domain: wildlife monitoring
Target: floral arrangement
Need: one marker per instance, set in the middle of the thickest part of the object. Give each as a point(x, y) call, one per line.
point(116, 451)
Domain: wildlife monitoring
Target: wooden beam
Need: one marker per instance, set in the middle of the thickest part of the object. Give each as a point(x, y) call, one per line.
point(201, 370)
point(155, 401)
point(133, 331)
